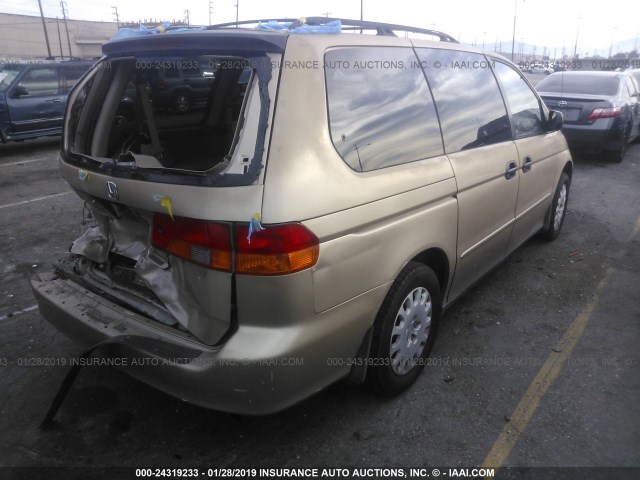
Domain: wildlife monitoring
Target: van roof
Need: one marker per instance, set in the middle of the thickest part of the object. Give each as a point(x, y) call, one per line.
point(247, 40)
point(236, 40)
point(347, 25)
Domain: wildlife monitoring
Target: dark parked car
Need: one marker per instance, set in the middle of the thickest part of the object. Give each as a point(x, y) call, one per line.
point(180, 85)
point(601, 109)
point(33, 95)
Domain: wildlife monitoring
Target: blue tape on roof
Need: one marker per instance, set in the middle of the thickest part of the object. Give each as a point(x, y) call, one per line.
point(143, 31)
point(329, 27)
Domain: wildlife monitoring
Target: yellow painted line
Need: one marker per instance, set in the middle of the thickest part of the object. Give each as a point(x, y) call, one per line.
point(541, 383)
point(25, 162)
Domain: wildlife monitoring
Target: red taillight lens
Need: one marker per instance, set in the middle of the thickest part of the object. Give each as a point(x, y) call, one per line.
point(200, 241)
point(276, 250)
point(608, 112)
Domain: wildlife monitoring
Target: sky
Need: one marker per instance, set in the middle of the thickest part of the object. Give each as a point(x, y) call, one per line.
point(554, 24)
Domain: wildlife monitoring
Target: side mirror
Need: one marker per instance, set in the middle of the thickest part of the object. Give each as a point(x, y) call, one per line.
point(554, 122)
point(19, 91)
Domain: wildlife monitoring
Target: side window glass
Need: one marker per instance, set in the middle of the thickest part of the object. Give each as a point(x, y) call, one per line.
point(380, 109)
point(72, 74)
point(526, 112)
point(470, 106)
point(39, 81)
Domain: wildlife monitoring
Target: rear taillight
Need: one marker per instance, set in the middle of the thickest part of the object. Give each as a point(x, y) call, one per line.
point(202, 242)
point(275, 250)
point(607, 112)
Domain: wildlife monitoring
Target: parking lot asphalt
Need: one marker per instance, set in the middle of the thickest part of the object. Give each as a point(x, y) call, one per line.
point(537, 366)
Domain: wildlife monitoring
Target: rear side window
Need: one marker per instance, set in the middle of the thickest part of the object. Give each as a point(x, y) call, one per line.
point(526, 112)
point(472, 112)
point(71, 74)
point(381, 112)
point(581, 84)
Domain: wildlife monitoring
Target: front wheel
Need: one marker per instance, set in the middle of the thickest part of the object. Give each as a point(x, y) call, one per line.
point(404, 330)
point(558, 209)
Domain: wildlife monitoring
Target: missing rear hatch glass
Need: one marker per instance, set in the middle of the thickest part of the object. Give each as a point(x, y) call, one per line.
point(178, 119)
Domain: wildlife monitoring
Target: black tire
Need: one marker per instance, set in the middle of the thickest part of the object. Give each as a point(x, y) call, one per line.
point(616, 156)
point(556, 215)
point(387, 373)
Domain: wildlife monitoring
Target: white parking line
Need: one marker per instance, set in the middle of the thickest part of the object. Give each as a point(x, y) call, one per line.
point(18, 312)
point(34, 200)
point(24, 162)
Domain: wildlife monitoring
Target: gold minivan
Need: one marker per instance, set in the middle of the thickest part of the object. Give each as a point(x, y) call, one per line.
point(309, 221)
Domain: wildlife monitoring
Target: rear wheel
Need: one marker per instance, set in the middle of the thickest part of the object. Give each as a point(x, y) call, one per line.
point(617, 156)
point(558, 209)
point(404, 330)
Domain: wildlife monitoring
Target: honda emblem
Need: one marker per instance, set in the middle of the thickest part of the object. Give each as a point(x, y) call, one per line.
point(112, 190)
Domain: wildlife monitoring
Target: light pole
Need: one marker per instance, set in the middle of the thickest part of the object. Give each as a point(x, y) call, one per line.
point(63, 4)
point(521, 48)
point(115, 14)
point(44, 27)
point(575, 47)
point(237, 9)
point(357, 149)
point(59, 38)
point(513, 38)
point(612, 39)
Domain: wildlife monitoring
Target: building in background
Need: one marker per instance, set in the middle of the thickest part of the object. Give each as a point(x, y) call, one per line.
point(22, 36)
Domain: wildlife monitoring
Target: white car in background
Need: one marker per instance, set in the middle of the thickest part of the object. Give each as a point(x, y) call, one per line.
point(546, 68)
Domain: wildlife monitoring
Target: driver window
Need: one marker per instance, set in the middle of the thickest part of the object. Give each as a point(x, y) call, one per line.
point(526, 112)
point(40, 81)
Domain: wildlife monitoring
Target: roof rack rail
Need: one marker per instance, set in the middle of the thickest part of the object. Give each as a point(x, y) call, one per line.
point(385, 29)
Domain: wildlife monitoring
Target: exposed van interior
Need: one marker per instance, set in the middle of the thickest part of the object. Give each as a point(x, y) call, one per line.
point(183, 113)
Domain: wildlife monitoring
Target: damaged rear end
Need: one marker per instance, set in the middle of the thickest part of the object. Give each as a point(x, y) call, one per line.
point(166, 141)
point(166, 146)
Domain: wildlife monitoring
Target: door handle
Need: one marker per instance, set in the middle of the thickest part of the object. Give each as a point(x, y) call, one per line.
point(528, 163)
point(54, 100)
point(512, 169)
